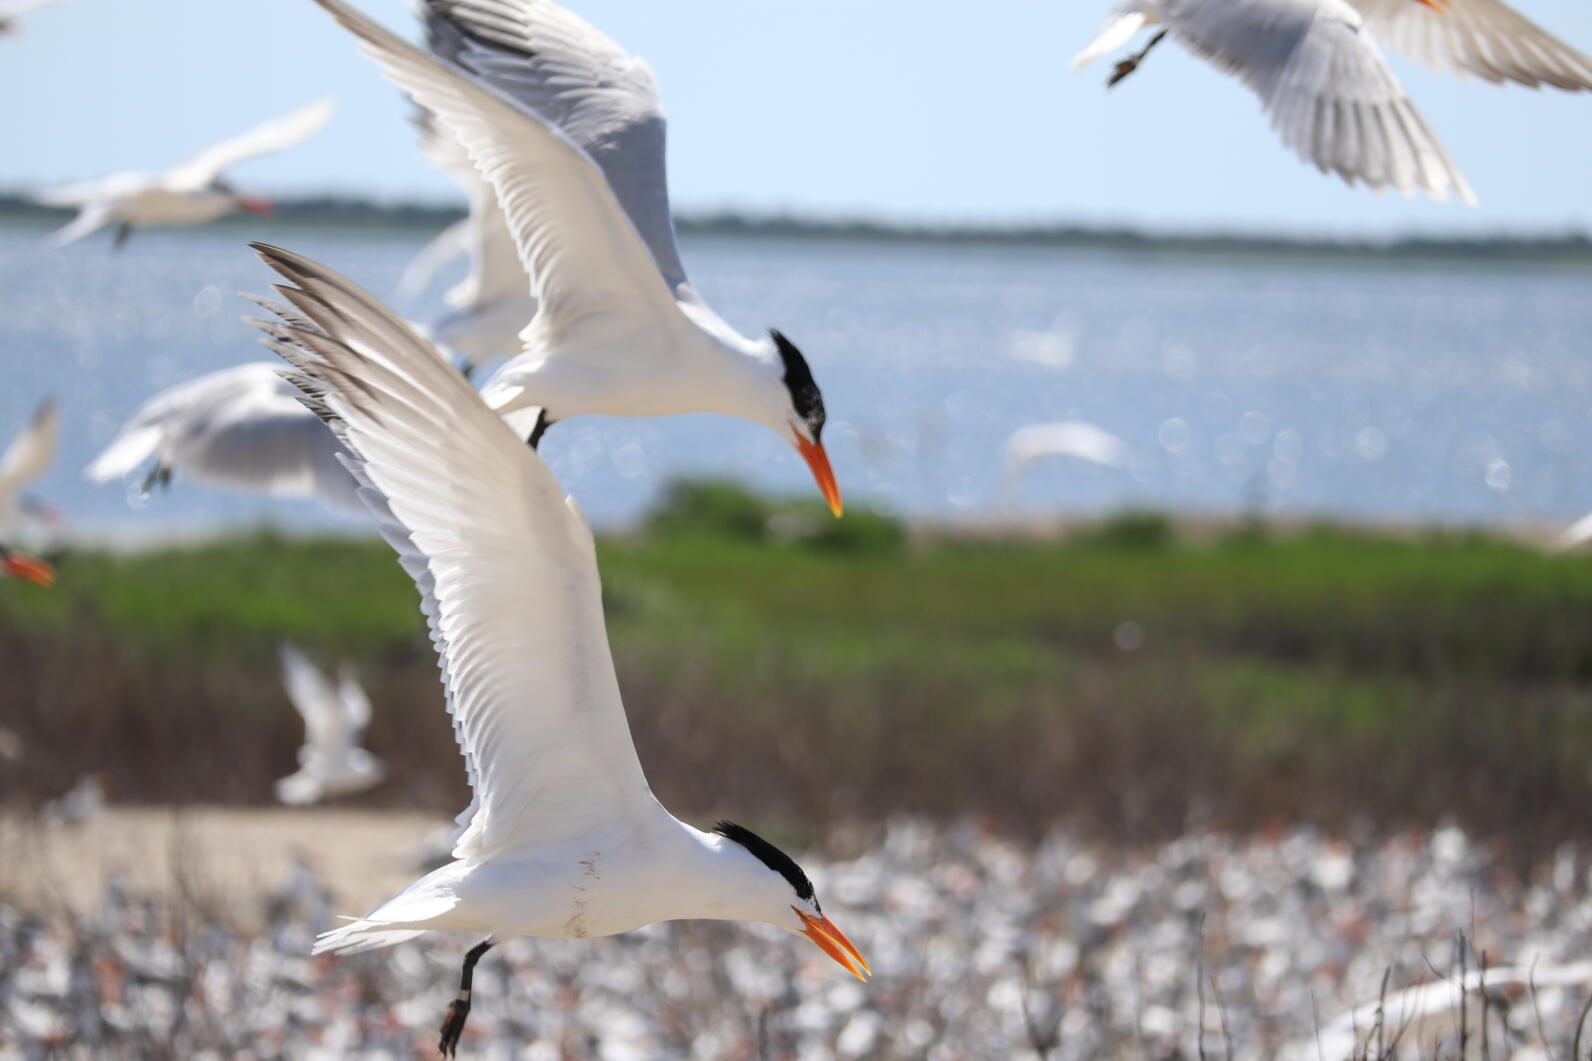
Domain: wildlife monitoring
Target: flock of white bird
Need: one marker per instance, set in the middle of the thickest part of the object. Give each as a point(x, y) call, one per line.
point(557, 135)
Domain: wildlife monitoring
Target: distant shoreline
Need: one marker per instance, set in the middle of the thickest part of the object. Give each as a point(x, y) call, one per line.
point(1569, 247)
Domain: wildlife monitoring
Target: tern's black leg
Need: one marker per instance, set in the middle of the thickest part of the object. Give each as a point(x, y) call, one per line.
point(543, 422)
point(159, 475)
point(459, 1008)
point(1131, 63)
point(123, 231)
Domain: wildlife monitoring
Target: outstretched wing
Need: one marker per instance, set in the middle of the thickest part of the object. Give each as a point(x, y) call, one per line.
point(495, 269)
point(1329, 92)
point(555, 64)
point(356, 705)
point(1125, 19)
point(13, 8)
point(506, 569)
point(586, 264)
point(326, 730)
point(1478, 38)
point(30, 454)
point(278, 134)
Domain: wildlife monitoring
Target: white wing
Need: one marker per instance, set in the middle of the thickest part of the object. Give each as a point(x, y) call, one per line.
point(30, 453)
point(1127, 17)
point(1067, 438)
point(495, 269)
point(557, 65)
point(1329, 92)
point(438, 253)
point(278, 134)
point(586, 263)
point(13, 8)
point(1478, 38)
point(1576, 534)
point(507, 571)
point(492, 304)
point(326, 730)
point(241, 427)
point(356, 705)
point(85, 193)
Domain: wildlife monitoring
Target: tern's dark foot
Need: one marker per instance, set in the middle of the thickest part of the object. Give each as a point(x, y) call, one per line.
point(159, 476)
point(1124, 68)
point(453, 1026)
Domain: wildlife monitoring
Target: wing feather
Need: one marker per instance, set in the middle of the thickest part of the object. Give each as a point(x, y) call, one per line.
point(30, 454)
point(1329, 92)
point(1479, 38)
point(584, 258)
point(552, 62)
point(278, 134)
point(506, 571)
point(326, 728)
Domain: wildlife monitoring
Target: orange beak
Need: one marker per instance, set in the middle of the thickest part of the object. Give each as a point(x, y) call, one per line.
point(263, 207)
point(813, 453)
point(28, 568)
point(1440, 6)
point(834, 943)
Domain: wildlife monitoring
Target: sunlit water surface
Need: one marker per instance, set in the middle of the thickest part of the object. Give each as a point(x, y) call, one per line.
point(1406, 392)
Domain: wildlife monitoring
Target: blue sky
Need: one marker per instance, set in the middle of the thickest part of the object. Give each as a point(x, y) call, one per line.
point(880, 107)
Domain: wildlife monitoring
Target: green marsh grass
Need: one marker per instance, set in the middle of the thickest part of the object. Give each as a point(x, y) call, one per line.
point(776, 669)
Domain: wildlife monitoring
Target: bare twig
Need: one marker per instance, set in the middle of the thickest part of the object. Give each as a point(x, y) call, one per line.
point(1199, 982)
point(1536, 1007)
point(1580, 1022)
point(1463, 1035)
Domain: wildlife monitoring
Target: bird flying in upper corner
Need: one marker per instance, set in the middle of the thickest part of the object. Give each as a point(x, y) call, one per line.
point(27, 458)
point(563, 837)
point(241, 427)
point(331, 762)
point(11, 9)
point(192, 193)
point(1322, 79)
point(568, 129)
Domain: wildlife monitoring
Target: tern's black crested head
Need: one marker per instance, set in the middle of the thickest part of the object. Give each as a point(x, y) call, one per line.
point(770, 856)
point(804, 396)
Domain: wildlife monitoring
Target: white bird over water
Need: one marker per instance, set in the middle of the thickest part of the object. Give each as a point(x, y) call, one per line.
point(192, 193)
point(1064, 438)
point(569, 130)
point(11, 9)
point(332, 762)
point(1332, 98)
point(563, 838)
point(27, 458)
point(241, 427)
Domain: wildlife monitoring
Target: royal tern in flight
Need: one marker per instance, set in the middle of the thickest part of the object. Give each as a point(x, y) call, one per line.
point(1330, 94)
point(1065, 438)
point(563, 838)
point(12, 8)
point(331, 763)
point(242, 427)
point(569, 130)
point(27, 458)
point(190, 194)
